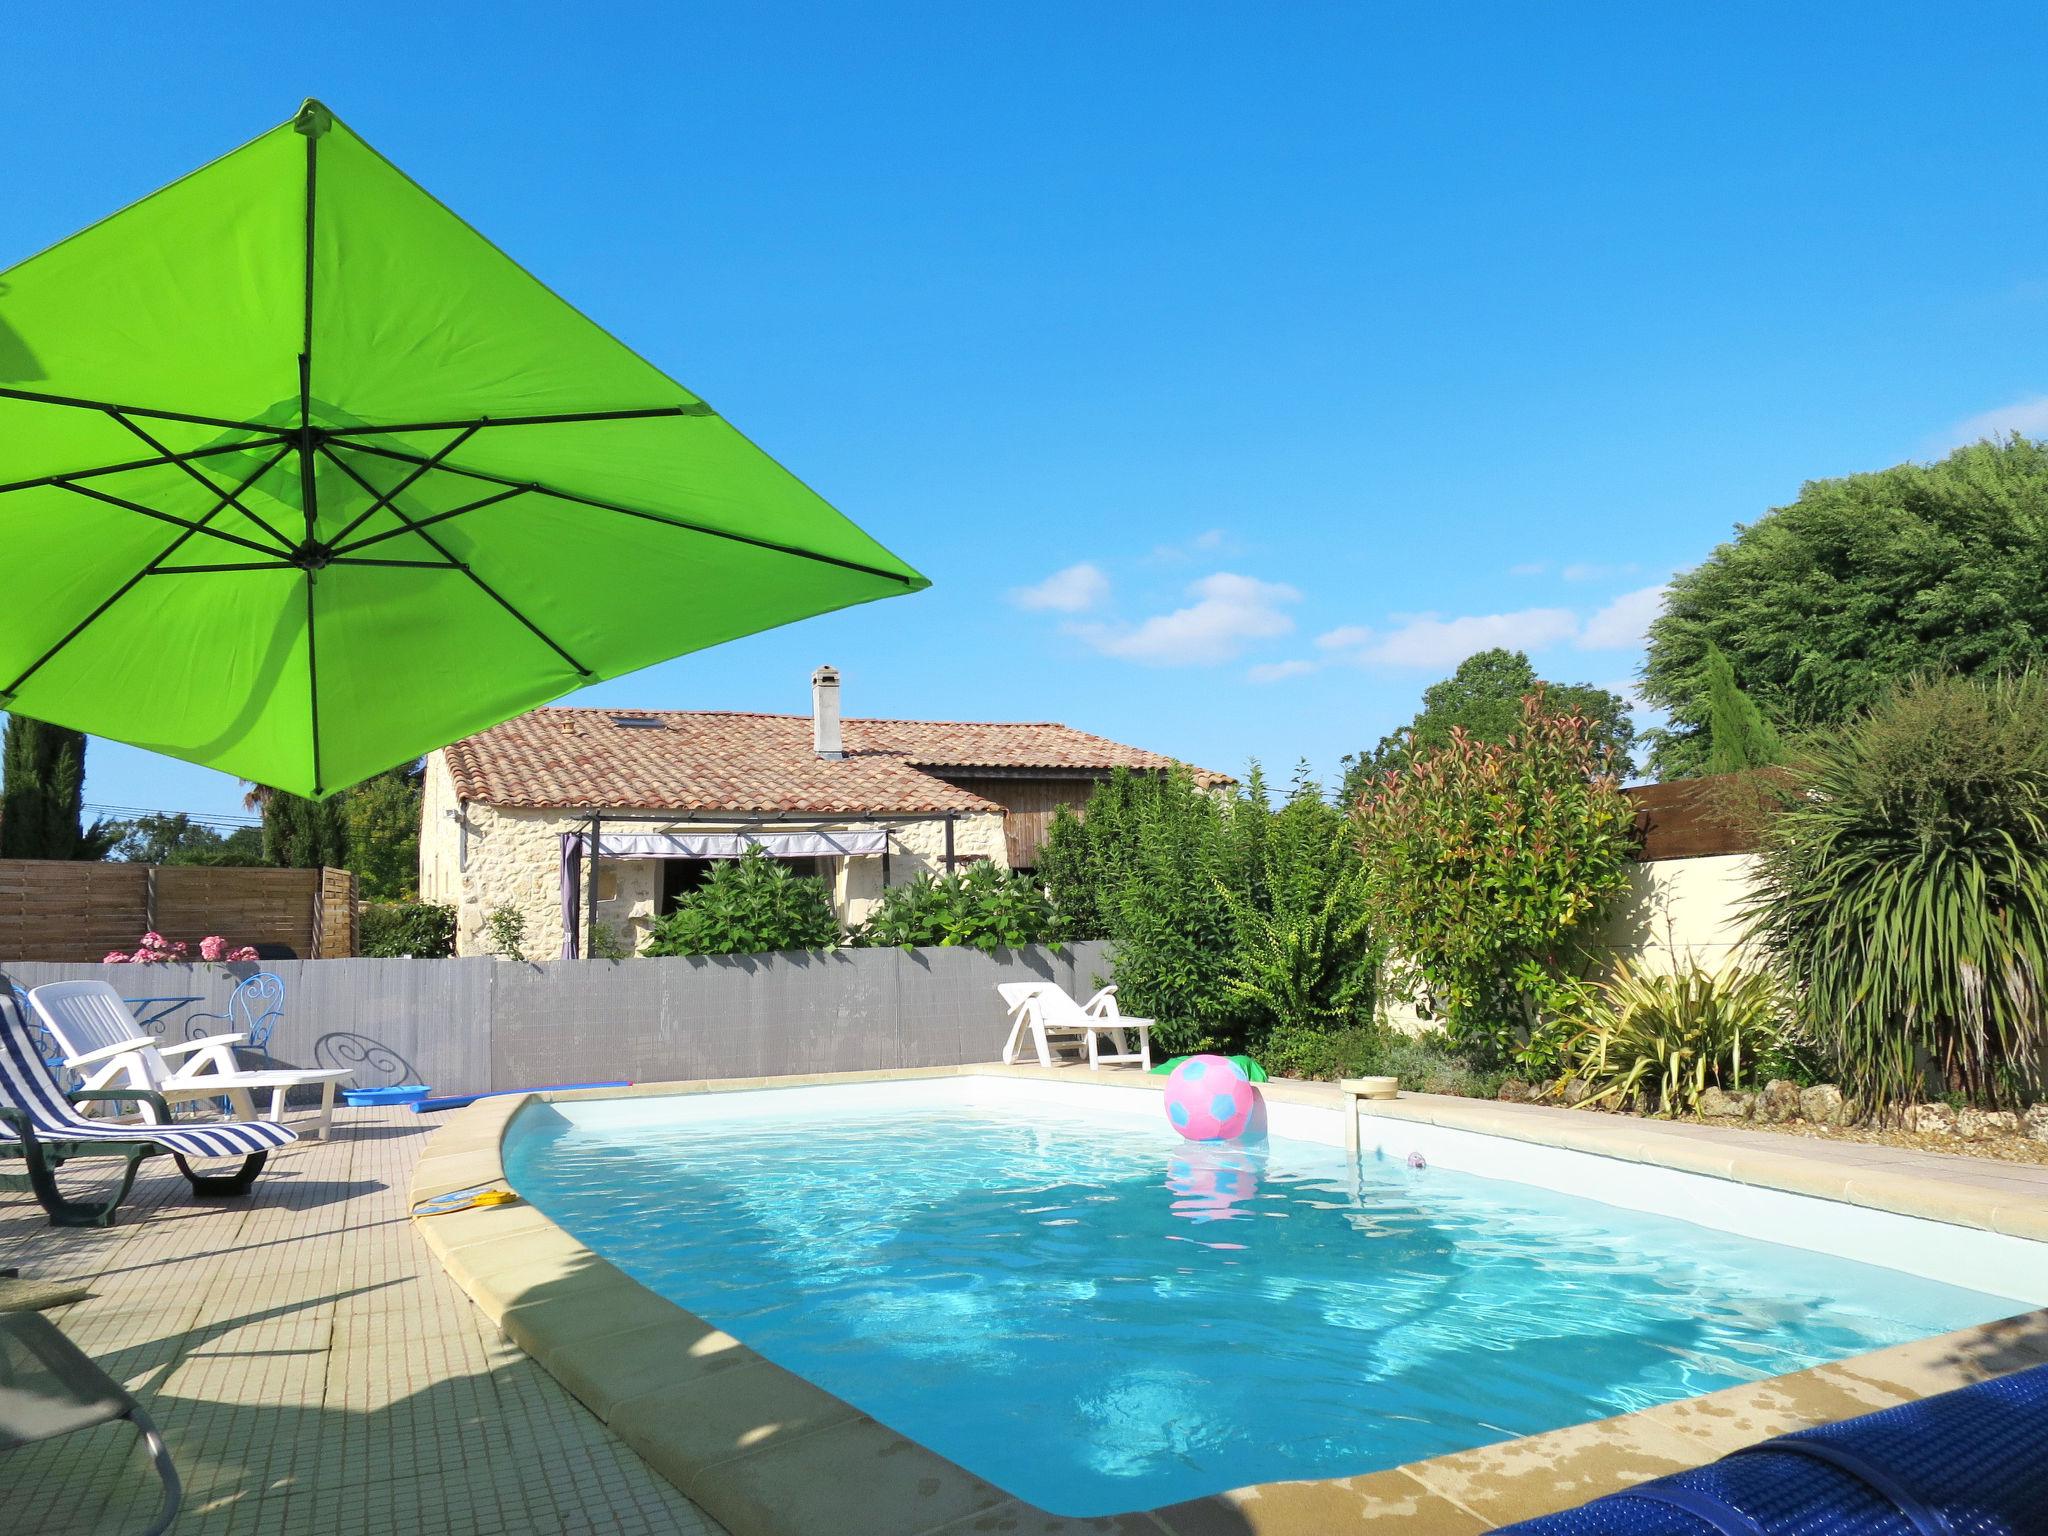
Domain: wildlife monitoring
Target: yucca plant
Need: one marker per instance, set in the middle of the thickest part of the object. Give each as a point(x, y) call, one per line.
point(1677, 1035)
point(1903, 890)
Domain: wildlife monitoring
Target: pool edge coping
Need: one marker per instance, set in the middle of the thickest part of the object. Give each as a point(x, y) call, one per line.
point(783, 1452)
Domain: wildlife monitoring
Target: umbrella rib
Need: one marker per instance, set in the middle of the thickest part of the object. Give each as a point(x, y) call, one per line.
point(424, 522)
point(483, 586)
point(196, 570)
point(74, 402)
point(385, 498)
point(405, 565)
point(652, 517)
point(233, 500)
point(187, 524)
point(132, 464)
point(127, 586)
point(639, 413)
point(294, 565)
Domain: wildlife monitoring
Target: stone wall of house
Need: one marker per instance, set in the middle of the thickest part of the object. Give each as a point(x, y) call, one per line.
point(920, 846)
point(440, 838)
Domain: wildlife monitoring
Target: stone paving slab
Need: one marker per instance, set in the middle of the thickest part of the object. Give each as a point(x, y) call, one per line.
point(313, 1368)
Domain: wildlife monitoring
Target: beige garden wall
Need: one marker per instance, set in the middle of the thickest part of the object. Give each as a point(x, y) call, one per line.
point(1681, 911)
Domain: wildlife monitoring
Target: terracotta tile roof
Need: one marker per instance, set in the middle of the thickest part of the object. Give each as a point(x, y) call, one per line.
point(704, 760)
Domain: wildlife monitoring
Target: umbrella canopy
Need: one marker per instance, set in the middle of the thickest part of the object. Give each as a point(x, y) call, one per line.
point(300, 477)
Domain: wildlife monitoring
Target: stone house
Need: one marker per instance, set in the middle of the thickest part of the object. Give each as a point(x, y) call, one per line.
point(509, 815)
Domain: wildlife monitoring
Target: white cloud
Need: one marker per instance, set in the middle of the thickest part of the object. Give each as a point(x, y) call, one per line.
point(1346, 637)
point(1428, 640)
point(2027, 417)
point(1210, 541)
point(1229, 611)
point(1621, 624)
point(1073, 590)
point(1280, 671)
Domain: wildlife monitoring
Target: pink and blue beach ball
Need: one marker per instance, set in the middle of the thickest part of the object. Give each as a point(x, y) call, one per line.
point(1208, 1098)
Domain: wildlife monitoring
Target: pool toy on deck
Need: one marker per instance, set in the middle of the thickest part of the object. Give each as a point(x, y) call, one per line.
point(1209, 1098)
point(465, 1200)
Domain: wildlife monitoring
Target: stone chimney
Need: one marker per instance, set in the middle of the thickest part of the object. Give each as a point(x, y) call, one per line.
point(825, 714)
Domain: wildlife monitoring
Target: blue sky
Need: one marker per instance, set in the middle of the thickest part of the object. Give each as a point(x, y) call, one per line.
point(1231, 369)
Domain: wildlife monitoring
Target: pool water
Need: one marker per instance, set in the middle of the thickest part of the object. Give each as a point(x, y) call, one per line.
point(1097, 1316)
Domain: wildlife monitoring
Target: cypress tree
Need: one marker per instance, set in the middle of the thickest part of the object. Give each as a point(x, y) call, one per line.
point(42, 793)
point(299, 833)
point(1738, 735)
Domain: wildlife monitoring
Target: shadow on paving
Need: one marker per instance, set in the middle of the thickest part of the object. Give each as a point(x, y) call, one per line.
point(312, 1371)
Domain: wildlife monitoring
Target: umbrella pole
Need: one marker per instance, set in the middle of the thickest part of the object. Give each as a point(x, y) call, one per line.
point(590, 902)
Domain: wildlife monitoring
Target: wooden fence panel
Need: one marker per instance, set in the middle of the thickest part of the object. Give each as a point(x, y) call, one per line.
point(74, 910)
point(1690, 819)
point(335, 932)
point(64, 909)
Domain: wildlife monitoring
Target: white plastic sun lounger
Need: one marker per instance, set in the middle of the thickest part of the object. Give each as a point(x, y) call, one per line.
point(101, 1040)
point(1047, 1014)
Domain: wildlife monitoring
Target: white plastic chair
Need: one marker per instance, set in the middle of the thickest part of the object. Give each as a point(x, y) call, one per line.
point(1048, 1014)
point(101, 1040)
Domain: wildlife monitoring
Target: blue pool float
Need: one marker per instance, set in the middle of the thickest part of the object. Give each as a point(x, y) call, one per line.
point(1973, 1462)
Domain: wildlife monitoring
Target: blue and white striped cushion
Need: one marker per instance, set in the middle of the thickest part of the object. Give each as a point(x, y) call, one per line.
point(26, 1085)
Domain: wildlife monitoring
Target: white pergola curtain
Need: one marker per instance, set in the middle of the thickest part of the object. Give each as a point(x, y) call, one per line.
point(696, 845)
point(730, 845)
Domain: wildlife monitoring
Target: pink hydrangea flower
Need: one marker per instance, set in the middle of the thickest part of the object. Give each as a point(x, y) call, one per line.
point(243, 954)
point(114, 957)
point(152, 940)
point(212, 947)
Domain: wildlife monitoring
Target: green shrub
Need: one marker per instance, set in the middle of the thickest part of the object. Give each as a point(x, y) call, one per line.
point(1425, 1063)
point(1149, 857)
point(1308, 958)
point(1323, 1055)
point(505, 933)
point(750, 905)
point(1675, 1036)
point(1230, 918)
point(1903, 890)
point(1490, 867)
point(606, 944)
point(984, 906)
point(1430, 1063)
point(406, 930)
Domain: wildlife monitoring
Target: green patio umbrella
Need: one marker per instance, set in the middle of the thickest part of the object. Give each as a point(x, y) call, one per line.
point(300, 477)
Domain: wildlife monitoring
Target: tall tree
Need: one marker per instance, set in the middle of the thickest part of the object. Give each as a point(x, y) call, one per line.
point(382, 820)
point(1823, 604)
point(299, 833)
point(173, 837)
point(1484, 697)
point(1739, 737)
point(42, 794)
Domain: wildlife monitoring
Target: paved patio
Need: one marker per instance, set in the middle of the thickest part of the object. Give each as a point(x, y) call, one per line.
point(313, 1368)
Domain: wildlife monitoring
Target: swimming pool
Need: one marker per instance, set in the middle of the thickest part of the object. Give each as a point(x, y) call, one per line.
point(1098, 1317)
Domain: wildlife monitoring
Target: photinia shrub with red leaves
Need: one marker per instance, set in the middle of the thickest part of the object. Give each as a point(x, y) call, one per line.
point(1491, 867)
